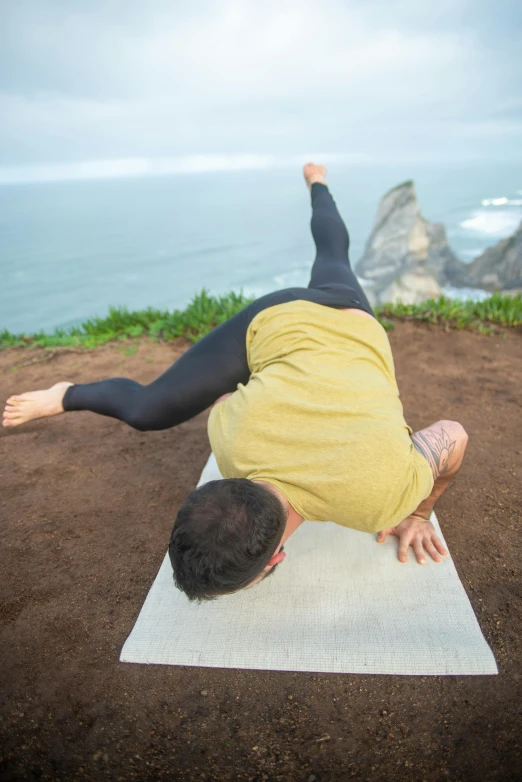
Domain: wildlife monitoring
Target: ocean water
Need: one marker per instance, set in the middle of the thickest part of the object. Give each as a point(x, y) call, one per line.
point(69, 250)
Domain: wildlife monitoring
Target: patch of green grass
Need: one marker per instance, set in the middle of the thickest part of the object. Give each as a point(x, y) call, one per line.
point(497, 310)
point(205, 312)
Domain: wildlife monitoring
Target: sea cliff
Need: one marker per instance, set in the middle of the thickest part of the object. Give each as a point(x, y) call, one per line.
point(408, 259)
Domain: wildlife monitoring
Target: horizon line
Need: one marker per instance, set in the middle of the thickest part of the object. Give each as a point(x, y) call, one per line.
point(112, 168)
point(201, 163)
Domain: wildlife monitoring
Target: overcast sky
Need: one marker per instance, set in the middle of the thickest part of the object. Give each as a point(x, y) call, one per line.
point(104, 80)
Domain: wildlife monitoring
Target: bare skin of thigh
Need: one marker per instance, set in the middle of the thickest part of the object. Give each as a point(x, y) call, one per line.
point(354, 309)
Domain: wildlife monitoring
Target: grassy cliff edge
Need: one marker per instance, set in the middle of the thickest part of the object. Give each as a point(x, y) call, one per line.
point(205, 312)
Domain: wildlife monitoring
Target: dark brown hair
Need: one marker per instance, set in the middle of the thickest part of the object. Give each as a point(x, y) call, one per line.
point(224, 534)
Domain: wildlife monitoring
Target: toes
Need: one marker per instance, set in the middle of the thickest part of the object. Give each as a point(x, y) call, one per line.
point(17, 402)
point(12, 413)
point(9, 422)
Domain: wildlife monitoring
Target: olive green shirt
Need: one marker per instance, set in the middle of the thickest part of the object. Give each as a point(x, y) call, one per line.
point(320, 419)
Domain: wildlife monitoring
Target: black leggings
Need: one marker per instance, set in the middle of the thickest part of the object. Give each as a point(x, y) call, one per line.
point(218, 362)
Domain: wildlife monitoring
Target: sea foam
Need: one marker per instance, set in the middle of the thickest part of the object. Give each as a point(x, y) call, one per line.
point(494, 222)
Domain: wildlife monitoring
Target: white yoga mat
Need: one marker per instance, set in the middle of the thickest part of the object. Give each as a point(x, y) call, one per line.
point(339, 603)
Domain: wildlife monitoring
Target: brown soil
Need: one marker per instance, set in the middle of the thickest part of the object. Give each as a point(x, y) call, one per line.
point(87, 506)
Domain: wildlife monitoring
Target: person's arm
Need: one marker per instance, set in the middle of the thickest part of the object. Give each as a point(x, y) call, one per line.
point(443, 445)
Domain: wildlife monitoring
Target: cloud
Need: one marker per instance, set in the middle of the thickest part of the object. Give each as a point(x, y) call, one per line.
point(162, 80)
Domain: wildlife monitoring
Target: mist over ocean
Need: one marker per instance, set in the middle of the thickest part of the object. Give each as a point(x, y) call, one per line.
point(70, 249)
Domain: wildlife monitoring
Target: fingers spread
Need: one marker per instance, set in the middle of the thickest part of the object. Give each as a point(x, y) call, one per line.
point(439, 545)
point(432, 551)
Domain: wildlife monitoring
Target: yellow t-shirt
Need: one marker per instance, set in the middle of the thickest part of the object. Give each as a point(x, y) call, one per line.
point(321, 420)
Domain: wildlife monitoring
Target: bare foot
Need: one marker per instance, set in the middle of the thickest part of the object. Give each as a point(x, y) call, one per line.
point(313, 173)
point(34, 404)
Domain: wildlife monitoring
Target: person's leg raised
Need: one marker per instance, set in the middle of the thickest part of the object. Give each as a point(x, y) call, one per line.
point(331, 267)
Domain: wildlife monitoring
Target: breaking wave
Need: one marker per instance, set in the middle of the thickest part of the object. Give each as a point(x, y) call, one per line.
point(493, 222)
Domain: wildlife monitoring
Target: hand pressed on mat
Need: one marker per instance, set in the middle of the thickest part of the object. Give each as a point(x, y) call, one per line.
point(417, 532)
point(443, 445)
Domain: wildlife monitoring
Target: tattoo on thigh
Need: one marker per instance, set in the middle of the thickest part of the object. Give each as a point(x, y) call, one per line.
point(436, 447)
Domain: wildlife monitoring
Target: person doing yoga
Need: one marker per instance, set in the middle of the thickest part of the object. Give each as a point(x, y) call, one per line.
point(305, 423)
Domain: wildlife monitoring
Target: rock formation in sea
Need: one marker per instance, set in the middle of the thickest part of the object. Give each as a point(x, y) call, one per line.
point(405, 253)
point(408, 258)
point(499, 267)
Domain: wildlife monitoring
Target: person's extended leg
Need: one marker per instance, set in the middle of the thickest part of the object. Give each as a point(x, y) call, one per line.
point(331, 268)
point(207, 370)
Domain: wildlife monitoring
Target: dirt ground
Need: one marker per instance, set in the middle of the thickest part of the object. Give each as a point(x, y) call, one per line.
point(87, 505)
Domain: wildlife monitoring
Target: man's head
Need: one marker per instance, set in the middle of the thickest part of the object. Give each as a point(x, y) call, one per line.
point(226, 537)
